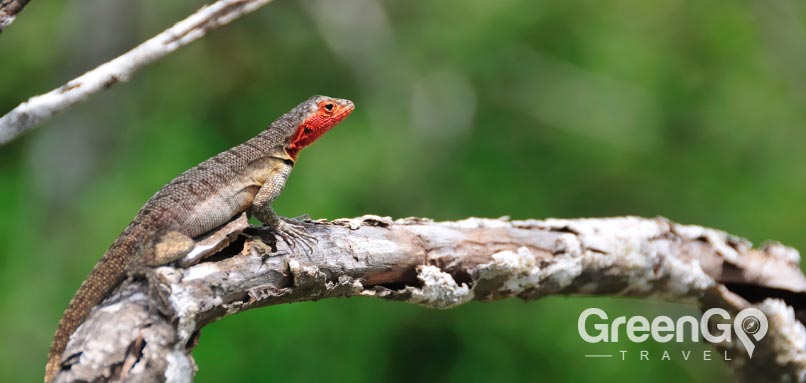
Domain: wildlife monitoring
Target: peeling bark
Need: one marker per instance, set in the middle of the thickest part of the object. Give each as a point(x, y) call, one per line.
point(442, 265)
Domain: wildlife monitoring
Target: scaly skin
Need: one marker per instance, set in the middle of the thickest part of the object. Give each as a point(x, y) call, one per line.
point(247, 177)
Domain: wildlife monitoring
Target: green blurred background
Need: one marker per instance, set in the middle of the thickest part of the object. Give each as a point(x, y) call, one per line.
point(694, 110)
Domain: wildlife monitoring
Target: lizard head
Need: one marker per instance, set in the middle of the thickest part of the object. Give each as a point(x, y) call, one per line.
point(317, 115)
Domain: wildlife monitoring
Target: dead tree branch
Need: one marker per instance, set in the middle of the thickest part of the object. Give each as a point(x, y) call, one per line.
point(442, 265)
point(37, 109)
point(9, 10)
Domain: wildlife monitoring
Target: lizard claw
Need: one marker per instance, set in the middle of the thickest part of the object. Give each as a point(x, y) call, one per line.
point(299, 218)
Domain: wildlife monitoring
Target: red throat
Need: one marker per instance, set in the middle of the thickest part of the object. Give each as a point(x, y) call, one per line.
point(315, 126)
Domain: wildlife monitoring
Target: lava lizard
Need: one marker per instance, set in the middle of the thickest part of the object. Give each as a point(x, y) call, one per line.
point(247, 177)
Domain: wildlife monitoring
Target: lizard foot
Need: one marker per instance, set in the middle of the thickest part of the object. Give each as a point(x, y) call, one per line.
point(158, 295)
point(292, 232)
point(158, 292)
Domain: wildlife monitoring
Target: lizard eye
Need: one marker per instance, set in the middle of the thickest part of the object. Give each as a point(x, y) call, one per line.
point(329, 106)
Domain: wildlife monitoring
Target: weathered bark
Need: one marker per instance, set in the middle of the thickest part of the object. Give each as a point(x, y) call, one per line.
point(37, 109)
point(442, 265)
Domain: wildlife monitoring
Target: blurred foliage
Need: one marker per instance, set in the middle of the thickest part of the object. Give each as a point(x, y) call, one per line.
point(688, 109)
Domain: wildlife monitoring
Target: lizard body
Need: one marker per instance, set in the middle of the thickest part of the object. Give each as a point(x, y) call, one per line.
point(247, 177)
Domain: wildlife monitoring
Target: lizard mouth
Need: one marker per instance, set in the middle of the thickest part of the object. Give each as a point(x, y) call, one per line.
point(346, 110)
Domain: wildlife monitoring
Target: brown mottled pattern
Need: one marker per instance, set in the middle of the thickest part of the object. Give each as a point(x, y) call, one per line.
point(197, 201)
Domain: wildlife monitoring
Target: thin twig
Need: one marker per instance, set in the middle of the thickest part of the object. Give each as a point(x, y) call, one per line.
point(9, 10)
point(30, 113)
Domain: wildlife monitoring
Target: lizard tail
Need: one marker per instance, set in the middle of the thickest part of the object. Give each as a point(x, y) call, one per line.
point(106, 274)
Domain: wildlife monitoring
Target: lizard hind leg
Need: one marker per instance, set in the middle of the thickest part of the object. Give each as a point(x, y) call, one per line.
point(166, 247)
point(163, 248)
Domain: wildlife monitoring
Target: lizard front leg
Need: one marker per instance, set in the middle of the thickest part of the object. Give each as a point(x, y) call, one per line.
point(289, 230)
